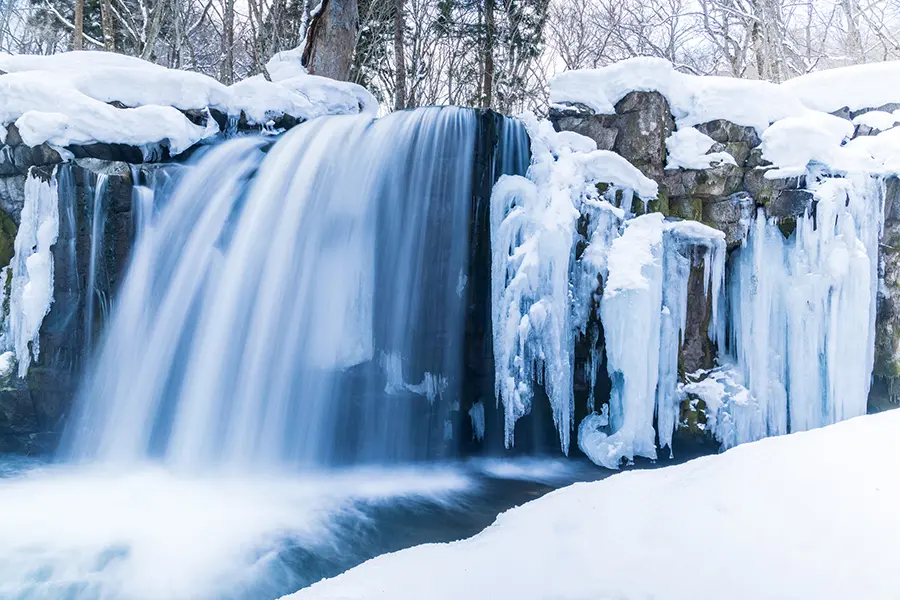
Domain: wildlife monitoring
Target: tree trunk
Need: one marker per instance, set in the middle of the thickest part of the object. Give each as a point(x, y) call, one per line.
point(399, 56)
point(78, 21)
point(155, 26)
point(109, 32)
point(487, 97)
point(331, 39)
point(854, 39)
point(227, 68)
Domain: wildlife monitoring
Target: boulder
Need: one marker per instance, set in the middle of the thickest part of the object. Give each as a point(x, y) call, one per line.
point(731, 215)
point(725, 132)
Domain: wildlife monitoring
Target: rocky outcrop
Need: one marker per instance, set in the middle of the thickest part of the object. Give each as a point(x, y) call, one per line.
point(727, 197)
point(32, 409)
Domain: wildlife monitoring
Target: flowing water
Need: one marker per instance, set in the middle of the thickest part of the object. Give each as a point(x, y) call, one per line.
point(286, 344)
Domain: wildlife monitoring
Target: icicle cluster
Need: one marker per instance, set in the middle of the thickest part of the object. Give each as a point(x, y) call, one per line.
point(644, 313)
point(802, 312)
point(534, 234)
point(31, 270)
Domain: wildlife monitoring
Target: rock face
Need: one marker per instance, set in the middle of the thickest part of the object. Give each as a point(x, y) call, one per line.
point(886, 386)
point(727, 197)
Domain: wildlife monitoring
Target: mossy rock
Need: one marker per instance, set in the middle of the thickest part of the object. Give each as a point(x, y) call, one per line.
point(8, 231)
point(686, 207)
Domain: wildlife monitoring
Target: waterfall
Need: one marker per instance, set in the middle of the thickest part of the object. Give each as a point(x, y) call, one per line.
point(299, 302)
point(98, 223)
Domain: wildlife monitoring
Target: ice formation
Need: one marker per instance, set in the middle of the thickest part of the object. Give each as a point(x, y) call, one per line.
point(791, 318)
point(31, 270)
point(802, 310)
point(533, 235)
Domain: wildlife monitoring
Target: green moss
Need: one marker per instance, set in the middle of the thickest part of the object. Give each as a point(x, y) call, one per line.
point(637, 207)
point(661, 203)
point(686, 208)
point(692, 415)
point(787, 225)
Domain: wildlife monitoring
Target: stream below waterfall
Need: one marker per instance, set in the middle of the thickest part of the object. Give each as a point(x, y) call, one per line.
point(86, 532)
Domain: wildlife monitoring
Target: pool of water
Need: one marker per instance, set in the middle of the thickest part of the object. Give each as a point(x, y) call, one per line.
point(145, 532)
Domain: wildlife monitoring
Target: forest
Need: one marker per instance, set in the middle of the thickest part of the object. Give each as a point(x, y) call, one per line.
point(487, 53)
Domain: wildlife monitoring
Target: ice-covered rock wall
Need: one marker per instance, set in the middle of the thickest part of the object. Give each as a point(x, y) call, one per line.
point(783, 338)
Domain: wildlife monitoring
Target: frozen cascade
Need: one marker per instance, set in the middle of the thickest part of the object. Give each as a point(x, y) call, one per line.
point(31, 269)
point(249, 328)
point(534, 235)
point(812, 295)
point(685, 245)
point(631, 313)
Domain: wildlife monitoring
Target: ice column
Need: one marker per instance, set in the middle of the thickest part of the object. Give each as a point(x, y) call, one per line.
point(31, 287)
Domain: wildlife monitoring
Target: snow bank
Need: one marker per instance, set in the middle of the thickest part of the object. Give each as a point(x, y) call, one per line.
point(693, 99)
point(776, 510)
point(63, 99)
point(860, 86)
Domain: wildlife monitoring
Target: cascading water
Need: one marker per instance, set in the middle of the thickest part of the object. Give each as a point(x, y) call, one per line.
point(301, 302)
point(93, 296)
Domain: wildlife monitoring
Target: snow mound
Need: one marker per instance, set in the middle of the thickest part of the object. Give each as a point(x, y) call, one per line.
point(689, 149)
point(878, 119)
point(792, 143)
point(776, 509)
point(693, 99)
point(861, 86)
point(64, 99)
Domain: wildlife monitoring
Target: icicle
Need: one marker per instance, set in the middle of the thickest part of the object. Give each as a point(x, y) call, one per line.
point(31, 288)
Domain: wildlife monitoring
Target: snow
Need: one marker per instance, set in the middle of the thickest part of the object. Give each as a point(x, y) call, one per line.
point(687, 148)
point(790, 144)
point(286, 64)
point(692, 99)
point(776, 509)
point(31, 289)
point(63, 99)
point(877, 119)
point(857, 87)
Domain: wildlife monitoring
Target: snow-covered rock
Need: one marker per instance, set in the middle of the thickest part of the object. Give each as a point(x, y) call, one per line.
point(65, 99)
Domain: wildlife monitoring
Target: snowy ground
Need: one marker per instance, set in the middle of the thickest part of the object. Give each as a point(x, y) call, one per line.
point(810, 515)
